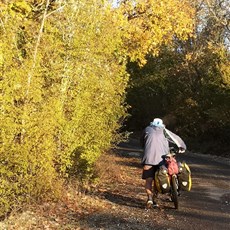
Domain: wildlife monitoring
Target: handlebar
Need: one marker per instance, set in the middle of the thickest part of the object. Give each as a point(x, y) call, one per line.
point(173, 150)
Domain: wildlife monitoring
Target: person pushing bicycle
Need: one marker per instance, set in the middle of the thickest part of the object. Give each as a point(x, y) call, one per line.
point(155, 141)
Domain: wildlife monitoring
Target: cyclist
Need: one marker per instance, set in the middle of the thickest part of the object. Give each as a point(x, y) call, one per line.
point(155, 142)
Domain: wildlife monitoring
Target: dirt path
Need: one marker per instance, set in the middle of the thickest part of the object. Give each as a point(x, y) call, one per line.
point(118, 201)
point(206, 206)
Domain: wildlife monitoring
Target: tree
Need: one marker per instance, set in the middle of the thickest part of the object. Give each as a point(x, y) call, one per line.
point(188, 82)
point(62, 93)
point(154, 23)
point(63, 85)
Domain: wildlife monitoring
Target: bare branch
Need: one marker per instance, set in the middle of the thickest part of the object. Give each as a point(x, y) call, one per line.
point(36, 48)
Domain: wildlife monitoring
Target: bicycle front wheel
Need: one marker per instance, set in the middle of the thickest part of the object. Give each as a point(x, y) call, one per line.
point(174, 192)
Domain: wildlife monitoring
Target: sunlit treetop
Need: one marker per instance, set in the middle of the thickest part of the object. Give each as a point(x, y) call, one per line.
point(152, 23)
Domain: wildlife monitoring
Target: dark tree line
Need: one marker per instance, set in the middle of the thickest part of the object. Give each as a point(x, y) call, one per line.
point(188, 84)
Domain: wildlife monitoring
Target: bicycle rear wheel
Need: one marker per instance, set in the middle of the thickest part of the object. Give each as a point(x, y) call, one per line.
point(174, 193)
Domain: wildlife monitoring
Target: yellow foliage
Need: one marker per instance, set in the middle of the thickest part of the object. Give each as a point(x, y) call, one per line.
point(191, 102)
point(63, 79)
point(1, 55)
point(20, 8)
point(153, 23)
point(65, 102)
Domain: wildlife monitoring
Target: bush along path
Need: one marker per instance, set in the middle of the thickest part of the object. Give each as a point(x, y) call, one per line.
point(118, 200)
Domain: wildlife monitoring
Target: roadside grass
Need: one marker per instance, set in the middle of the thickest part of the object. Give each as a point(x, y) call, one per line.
point(75, 203)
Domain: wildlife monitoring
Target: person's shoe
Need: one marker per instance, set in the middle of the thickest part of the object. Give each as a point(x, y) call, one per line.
point(149, 204)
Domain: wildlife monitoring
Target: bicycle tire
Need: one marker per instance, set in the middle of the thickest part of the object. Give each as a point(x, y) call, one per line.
point(174, 192)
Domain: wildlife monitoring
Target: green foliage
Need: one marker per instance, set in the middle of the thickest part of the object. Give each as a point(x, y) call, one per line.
point(63, 84)
point(62, 90)
point(188, 85)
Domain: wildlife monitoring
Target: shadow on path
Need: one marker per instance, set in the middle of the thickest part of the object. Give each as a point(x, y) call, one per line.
point(123, 200)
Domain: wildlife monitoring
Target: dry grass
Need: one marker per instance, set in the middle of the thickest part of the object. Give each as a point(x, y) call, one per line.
point(75, 204)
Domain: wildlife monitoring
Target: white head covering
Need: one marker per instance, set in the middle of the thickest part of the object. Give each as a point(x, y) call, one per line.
point(157, 122)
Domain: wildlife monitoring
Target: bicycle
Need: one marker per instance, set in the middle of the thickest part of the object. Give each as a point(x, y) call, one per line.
point(174, 169)
point(173, 177)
